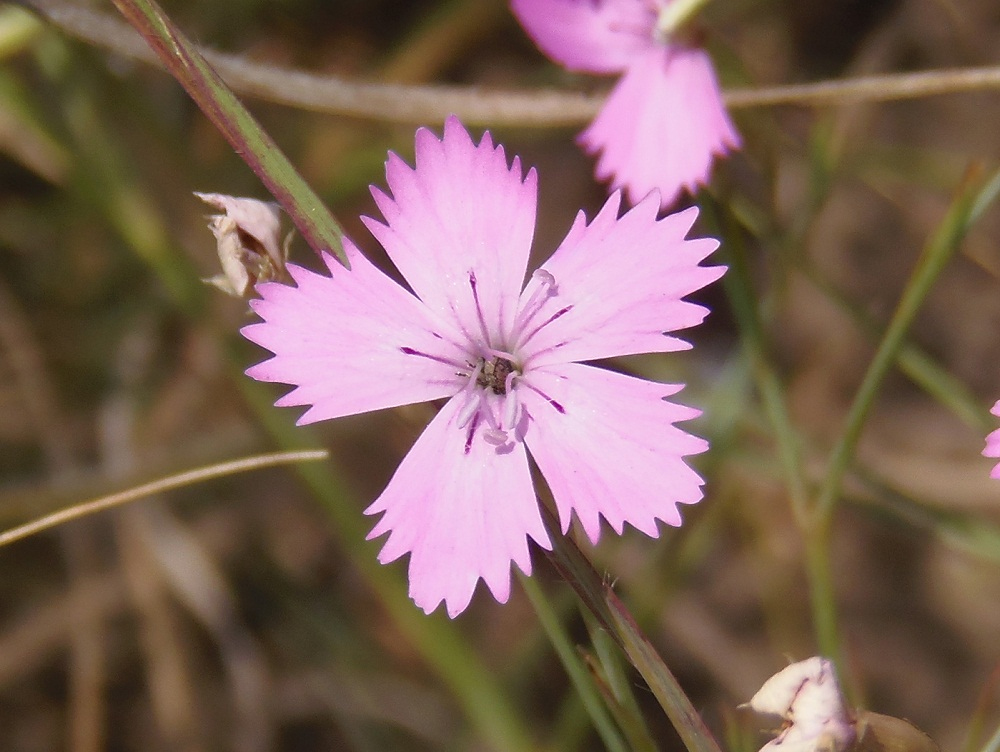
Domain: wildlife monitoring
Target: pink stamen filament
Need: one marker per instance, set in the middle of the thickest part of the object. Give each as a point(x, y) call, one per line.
point(479, 308)
point(510, 405)
point(474, 397)
point(489, 353)
point(542, 292)
point(472, 407)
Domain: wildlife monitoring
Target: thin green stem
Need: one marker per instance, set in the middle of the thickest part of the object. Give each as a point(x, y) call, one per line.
point(619, 685)
point(965, 209)
point(739, 289)
point(612, 615)
point(251, 143)
point(972, 199)
point(579, 675)
point(661, 681)
point(993, 744)
point(912, 361)
point(18, 28)
point(822, 593)
point(161, 485)
point(675, 15)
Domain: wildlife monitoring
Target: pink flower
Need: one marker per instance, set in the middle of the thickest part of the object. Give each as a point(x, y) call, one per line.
point(664, 121)
point(507, 361)
point(993, 444)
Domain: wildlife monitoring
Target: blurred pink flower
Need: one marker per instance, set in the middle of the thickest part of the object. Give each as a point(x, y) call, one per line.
point(664, 121)
point(993, 444)
point(459, 228)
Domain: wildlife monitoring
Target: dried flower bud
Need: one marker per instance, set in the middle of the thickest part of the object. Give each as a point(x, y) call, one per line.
point(247, 239)
point(807, 699)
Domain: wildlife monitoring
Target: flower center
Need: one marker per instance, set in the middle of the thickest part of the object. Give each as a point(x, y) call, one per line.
point(495, 373)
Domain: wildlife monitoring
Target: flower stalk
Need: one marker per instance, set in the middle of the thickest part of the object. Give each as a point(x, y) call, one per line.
point(237, 125)
point(598, 597)
point(974, 196)
point(676, 14)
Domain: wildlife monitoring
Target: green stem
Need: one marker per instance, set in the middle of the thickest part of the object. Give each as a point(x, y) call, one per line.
point(619, 685)
point(822, 593)
point(993, 744)
point(598, 597)
point(661, 681)
point(965, 209)
point(251, 143)
point(579, 675)
point(675, 15)
point(914, 362)
point(739, 289)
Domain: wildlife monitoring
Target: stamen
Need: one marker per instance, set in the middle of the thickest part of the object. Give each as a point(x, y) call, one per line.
point(491, 353)
point(476, 373)
point(479, 307)
point(487, 414)
point(496, 374)
point(495, 437)
point(510, 409)
point(545, 289)
point(470, 410)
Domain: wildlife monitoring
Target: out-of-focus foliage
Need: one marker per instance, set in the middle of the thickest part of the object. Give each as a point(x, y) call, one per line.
point(239, 614)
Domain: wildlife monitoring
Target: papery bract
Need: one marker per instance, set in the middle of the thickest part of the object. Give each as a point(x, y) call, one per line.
point(247, 239)
point(993, 444)
point(664, 122)
point(505, 355)
point(806, 700)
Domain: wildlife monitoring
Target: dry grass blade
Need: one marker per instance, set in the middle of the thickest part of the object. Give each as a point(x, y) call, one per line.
point(169, 483)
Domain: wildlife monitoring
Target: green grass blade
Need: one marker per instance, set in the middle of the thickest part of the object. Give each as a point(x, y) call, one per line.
point(967, 207)
point(227, 113)
point(579, 675)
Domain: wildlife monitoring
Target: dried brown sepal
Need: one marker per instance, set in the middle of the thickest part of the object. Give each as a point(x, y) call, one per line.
point(883, 733)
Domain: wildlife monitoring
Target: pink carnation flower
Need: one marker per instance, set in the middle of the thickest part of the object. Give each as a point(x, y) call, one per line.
point(505, 355)
point(664, 121)
point(993, 444)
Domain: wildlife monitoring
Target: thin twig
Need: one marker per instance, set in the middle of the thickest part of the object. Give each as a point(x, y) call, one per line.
point(880, 88)
point(544, 108)
point(158, 486)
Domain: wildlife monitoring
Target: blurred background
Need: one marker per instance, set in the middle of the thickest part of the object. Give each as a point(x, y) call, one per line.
point(249, 613)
